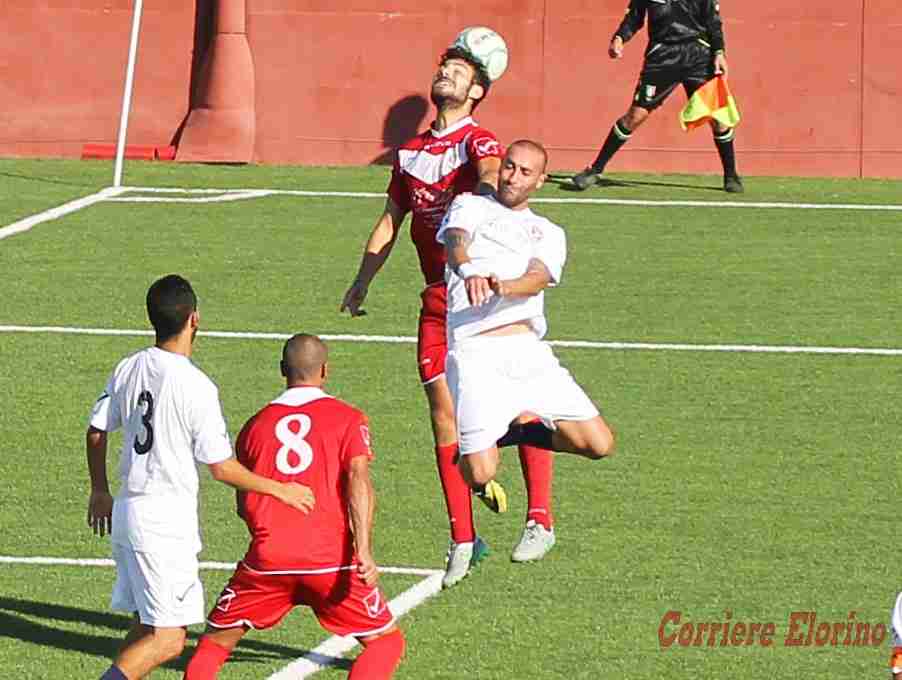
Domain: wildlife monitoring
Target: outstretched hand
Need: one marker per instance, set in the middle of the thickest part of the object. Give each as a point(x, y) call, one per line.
point(354, 297)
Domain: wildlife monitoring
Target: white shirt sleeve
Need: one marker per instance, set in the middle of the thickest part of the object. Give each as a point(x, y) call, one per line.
point(463, 213)
point(211, 436)
point(552, 251)
point(105, 415)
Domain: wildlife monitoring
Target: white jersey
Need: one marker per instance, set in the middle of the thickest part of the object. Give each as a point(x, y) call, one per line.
point(503, 242)
point(170, 415)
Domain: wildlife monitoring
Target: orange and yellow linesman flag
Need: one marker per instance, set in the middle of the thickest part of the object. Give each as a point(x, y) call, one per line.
point(712, 101)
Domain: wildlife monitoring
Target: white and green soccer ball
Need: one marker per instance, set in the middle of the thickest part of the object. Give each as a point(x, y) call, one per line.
point(487, 47)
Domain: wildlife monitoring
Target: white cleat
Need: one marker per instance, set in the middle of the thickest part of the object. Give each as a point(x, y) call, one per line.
point(534, 544)
point(462, 557)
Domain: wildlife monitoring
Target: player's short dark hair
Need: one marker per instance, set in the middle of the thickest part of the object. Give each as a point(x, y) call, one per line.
point(170, 301)
point(482, 76)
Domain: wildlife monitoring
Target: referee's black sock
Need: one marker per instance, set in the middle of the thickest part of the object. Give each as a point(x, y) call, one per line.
point(617, 137)
point(534, 433)
point(724, 144)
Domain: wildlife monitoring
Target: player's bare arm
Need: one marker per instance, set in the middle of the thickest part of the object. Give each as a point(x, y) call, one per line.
point(378, 247)
point(478, 289)
point(536, 279)
point(100, 502)
point(362, 504)
point(488, 169)
point(233, 473)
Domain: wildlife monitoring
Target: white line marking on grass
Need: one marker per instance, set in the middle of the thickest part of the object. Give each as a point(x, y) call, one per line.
point(212, 566)
point(335, 647)
point(405, 339)
point(782, 205)
point(55, 213)
point(222, 198)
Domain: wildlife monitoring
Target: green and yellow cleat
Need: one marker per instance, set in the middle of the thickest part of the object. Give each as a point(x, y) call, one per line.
point(494, 496)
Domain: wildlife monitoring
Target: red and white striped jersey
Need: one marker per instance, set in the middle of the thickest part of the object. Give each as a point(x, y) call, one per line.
point(429, 171)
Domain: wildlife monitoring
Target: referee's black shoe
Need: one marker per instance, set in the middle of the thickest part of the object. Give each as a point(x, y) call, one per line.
point(732, 184)
point(587, 178)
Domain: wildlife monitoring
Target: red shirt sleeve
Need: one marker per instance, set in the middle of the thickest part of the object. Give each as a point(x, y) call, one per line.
point(357, 440)
point(483, 144)
point(397, 188)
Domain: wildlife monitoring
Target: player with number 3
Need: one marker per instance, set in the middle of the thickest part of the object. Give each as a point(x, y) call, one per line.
point(171, 419)
point(323, 560)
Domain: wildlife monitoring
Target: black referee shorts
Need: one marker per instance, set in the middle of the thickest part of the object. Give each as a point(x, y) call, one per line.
point(666, 66)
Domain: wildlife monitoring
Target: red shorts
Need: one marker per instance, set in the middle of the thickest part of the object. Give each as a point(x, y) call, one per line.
point(342, 602)
point(432, 335)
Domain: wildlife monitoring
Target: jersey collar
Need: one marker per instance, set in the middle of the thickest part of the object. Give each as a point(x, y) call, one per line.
point(462, 123)
point(298, 396)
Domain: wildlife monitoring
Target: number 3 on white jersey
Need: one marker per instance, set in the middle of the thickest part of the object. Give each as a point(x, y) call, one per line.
point(294, 441)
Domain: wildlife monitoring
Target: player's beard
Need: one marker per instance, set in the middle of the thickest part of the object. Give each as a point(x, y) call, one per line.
point(511, 197)
point(446, 99)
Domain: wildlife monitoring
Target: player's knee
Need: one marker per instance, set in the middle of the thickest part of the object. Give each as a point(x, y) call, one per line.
point(599, 442)
point(477, 470)
point(634, 118)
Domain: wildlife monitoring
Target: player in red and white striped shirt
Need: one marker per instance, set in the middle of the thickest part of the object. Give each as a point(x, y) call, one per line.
point(453, 156)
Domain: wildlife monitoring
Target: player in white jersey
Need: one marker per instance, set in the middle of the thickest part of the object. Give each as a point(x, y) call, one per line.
point(171, 419)
point(501, 257)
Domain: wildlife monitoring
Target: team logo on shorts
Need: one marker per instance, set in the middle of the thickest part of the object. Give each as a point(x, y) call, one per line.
point(374, 603)
point(225, 600)
point(650, 91)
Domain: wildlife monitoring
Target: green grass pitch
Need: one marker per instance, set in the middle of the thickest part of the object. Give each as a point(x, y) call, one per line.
point(746, 486)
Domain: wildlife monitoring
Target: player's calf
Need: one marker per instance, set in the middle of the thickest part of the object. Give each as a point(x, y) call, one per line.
point(381, 656)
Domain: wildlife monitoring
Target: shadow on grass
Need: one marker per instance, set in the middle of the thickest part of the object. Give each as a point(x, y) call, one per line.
point(16, 622)
point(47, 180)
point(564, 182)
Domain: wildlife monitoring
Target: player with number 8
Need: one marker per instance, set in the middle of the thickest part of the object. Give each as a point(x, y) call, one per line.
point(324, 560)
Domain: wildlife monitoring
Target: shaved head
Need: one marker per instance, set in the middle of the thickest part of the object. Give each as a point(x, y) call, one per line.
point(304, 357)
point(535, 147)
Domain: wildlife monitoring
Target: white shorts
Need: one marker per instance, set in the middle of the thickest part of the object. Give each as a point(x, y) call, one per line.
point(493, 379)
point(163, 587)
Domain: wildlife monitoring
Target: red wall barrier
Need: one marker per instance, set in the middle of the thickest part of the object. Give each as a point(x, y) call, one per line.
point(818, 85)
point(62, 71)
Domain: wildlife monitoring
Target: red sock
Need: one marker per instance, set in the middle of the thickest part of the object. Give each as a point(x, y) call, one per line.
point(379, 659)
point(457, 494)
point(207, 660)
point(538, 471)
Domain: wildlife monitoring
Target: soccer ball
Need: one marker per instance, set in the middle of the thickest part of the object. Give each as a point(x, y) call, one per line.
point(486, 47)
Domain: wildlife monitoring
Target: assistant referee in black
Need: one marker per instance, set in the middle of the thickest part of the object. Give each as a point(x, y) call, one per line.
point(685, 45)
